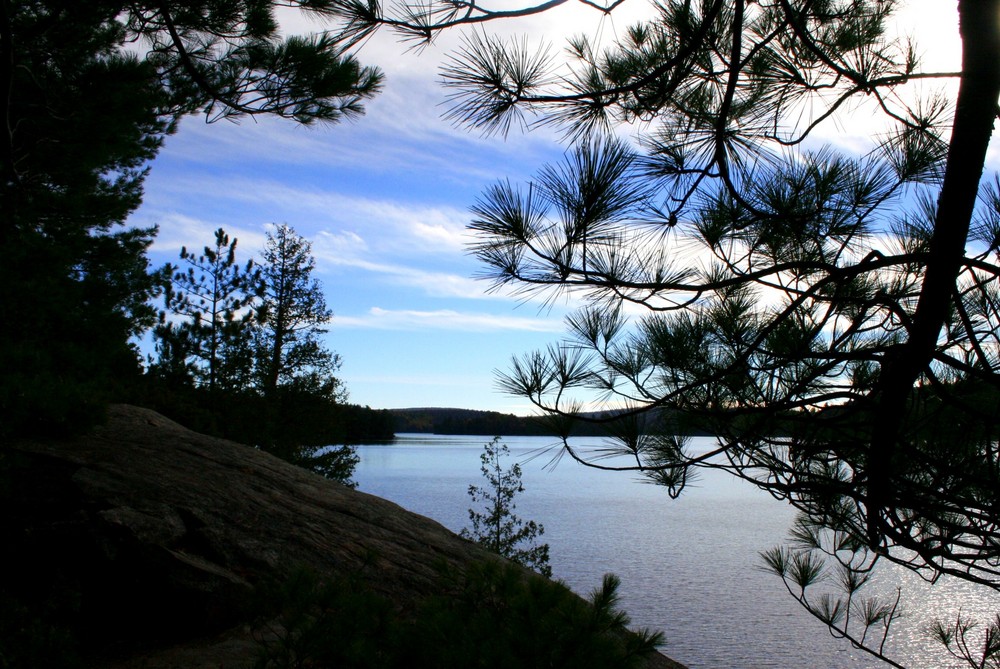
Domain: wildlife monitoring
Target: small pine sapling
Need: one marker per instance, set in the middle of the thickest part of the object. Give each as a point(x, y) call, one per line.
point(496, 527)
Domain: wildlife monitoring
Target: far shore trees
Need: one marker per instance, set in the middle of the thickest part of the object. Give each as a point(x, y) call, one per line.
point(834, 318)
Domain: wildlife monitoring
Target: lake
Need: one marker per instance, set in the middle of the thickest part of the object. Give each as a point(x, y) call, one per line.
point(689, 567)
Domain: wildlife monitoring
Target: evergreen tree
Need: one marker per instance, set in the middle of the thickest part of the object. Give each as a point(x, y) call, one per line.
point(80, 119)
point(292, 313)
point(833, 318)
point(215, 298)
point(173, 365)
point(295, 370)
point(496, 527)
point(214, 366)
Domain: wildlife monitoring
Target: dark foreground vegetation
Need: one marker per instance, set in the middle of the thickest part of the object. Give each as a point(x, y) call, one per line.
point(492, 617)
point(144, 544)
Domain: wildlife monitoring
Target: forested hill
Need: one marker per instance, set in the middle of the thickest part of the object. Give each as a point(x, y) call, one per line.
point(464, 421)
point(494, 423)
point(485, 423)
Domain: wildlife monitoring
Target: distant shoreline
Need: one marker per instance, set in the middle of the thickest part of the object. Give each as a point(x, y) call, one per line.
point(450, 421)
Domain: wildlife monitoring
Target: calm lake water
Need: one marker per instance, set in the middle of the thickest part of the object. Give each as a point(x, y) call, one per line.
point(689, 567)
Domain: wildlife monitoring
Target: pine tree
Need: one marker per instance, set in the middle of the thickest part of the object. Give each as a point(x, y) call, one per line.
point(215, 299)
point(295, 371)
point(239, 354)
point(497, 527)
point(80, 120)
point(833, 317)
point(292, 314)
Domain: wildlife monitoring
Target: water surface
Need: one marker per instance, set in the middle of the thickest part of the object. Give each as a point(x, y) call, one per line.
point(689, 567)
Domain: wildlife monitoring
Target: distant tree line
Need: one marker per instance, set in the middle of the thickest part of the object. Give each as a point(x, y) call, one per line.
point(464, 421)
point(487, 423)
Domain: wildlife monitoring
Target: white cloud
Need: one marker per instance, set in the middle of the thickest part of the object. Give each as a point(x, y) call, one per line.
point(177, 230)
point(382, 224)
point(431, 283)
point(419, 248)
point(443, 234)
point(338, 244)
point(446, 319)
point(402, 131)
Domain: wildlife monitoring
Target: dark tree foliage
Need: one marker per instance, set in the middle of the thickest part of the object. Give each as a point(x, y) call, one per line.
point(295, 370)
point(833, 319)
point(364, 425)
point(492, 617)
point(88, 90)
point(80, 121)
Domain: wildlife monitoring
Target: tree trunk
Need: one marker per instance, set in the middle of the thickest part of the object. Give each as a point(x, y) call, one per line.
point(975, 112)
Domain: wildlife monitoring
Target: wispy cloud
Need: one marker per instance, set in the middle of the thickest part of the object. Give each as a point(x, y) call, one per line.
point(387, 224)
point(177, 230)
point(446, 319)
point(419, 250)
point(387, 139)
point(429, 282)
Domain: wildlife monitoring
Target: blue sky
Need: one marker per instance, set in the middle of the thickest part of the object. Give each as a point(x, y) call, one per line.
point(385, 201)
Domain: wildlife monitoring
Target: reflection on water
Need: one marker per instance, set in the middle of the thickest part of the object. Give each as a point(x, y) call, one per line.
point(689, 566)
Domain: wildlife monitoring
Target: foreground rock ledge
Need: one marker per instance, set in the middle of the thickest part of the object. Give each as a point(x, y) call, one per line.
point(163, 533)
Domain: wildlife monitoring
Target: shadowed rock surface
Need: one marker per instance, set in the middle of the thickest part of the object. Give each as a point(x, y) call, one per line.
point(160, 535)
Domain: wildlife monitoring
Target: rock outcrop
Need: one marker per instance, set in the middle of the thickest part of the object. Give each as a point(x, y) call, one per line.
point(161, 534)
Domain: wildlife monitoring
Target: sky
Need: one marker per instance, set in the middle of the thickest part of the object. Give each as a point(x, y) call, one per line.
point(385, 202)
